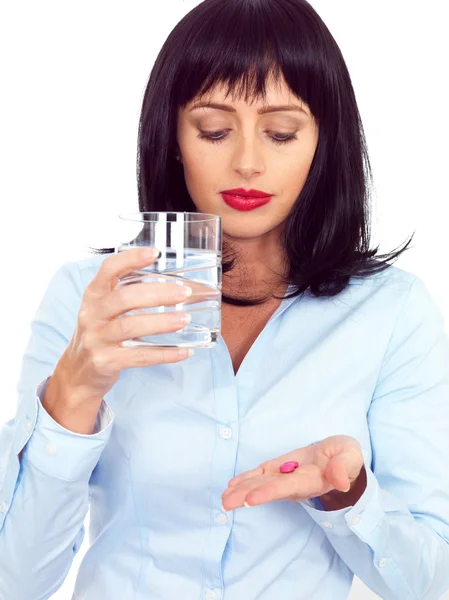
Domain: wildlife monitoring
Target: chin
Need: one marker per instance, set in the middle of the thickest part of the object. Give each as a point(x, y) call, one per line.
point(245, 229)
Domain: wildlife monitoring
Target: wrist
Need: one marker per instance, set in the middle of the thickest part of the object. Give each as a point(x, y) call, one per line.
point(68, 407)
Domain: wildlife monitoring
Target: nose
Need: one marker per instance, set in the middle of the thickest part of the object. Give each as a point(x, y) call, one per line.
point(247, 159)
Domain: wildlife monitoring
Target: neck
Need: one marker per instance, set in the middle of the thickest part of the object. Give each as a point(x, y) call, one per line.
point(258, 269)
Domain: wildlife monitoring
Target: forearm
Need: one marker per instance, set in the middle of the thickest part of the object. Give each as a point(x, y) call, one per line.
point(41, 533)
point(395, 554)
point(45, 499)
point(67, 407)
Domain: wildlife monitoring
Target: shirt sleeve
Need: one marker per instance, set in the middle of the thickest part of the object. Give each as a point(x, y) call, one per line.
point(62, 453)
point(44, 496)
point(396, 537)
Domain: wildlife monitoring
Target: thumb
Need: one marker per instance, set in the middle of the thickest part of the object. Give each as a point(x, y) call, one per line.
point(336, 472)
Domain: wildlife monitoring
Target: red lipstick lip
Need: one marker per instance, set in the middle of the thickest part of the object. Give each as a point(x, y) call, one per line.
point(247, 193)
point(244, 203)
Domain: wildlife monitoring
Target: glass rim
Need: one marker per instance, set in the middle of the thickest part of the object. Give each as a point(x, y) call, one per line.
point(137, 216)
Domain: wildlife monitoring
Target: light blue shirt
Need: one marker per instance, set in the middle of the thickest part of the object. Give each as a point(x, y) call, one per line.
point(371, 363)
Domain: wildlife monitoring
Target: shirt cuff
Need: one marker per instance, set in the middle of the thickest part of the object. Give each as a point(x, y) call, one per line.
point(360, 519)
point(62, 453)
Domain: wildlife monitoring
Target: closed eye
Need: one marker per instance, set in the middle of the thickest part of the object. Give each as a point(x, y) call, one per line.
point(276, 138)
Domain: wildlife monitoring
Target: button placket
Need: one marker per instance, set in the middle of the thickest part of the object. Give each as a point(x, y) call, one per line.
point(226, 433)
point(221, 519)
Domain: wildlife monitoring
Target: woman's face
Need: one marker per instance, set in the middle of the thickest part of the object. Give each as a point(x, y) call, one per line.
point(247, 156)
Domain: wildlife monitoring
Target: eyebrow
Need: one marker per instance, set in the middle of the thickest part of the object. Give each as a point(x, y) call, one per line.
point(260, 111)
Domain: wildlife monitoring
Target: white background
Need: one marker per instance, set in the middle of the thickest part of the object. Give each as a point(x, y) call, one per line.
point(73, 77)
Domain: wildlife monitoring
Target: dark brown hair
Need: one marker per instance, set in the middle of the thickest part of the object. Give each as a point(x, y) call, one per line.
point(240, 43)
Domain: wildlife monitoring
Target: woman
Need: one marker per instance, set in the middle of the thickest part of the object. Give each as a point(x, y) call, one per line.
point(329, 358)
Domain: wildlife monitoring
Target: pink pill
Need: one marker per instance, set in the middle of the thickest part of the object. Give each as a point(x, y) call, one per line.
point(289, 466)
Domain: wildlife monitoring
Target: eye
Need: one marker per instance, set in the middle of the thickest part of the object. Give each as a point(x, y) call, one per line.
point(276, 138)
point(284, 138)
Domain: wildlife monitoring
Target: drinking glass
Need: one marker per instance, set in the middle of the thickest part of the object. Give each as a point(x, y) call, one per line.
point(190, 246)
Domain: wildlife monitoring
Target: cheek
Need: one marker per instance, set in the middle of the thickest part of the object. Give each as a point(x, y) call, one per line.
point(196, 174)
point(202, 170)
point(201, 180)
point(293, 175)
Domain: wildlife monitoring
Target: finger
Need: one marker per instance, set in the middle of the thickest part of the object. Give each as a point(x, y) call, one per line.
point(128, 328)
point(140, 295)
point(304, 482)
point(129, 358)
point(301, 484)
point(336, 473)
point(271, 467)
point(246, 475)
point(234, 497)
point(118, 264)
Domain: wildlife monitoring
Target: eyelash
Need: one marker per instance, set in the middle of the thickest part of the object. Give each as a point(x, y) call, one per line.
point(207, 136)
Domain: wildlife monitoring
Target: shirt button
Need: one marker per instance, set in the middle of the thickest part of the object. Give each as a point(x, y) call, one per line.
point(382, 563)
point(221, 519)
point(28, 425)
point(225, 433)
point(356, 520)
point(327, 524)
point(51, 449)
point(211, 595)
point(3, 507)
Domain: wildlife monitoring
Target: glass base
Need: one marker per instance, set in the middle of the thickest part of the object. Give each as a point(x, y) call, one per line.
point(181, 339)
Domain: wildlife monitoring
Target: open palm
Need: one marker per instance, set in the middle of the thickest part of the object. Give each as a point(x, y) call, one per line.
point(331, 464)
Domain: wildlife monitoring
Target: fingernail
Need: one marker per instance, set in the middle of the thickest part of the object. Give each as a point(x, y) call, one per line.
point(186, 352)
point(181, 319)
point(183, 292)
point(347, 490)
point(151, 253)
point(246, 504)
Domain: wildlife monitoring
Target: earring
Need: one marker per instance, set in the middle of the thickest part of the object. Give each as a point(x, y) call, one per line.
point(178, 158)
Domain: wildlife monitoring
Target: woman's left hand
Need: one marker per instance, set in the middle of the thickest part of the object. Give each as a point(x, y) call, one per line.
point(331, 464)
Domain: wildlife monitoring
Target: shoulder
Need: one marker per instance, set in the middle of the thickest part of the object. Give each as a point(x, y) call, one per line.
point(392, 278)
point(84, 268)
point(89, 265)
point(69, 280)
point(396, 292)
point(391, 285)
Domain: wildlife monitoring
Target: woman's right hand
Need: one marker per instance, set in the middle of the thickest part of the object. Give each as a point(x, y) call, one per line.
point(92, 362)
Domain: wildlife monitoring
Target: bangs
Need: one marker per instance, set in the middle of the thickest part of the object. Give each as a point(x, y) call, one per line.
point(241, 44)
